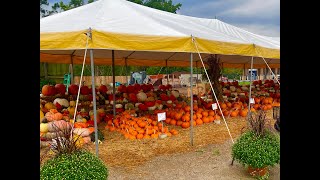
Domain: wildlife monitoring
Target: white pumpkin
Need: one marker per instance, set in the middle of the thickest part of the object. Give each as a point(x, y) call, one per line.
point(81, 131)
point(152, 108)
point(175, 93)
point(128, 106)
point(137, 104)
point(141, 96)
point(106, 102)
point(44, 127)
point(232, 88)
point(62, 102)
point(119, 106)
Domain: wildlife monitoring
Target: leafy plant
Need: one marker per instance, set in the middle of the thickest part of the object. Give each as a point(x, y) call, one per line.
point(257, 151)
point(77, 165)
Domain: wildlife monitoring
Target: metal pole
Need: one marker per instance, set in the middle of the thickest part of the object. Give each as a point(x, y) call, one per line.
point(113, 85)
point(126, 70)
point(215, 96)
point(94, 103)
point(167, 71)
point(249, 107)
point(197, 77)
point(71, 69)
point(191, 99)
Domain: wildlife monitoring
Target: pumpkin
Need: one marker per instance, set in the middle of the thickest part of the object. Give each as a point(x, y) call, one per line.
point(71, 110)
point(73, 89)
point(81, 131)
point(141, 96)
point(185, 125)
point(53, 115)
point(41, 115)
point(62, 102)
point(48, 90)
point(78, 140)
point(72, 103)
point(58, 126)
point(44, 127)
point(119, 106)
point(60, 88)
point(50, 105)
point(86, 139)
point(175, 93)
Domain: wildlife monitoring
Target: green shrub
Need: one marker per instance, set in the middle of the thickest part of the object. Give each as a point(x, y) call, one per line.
point(257, 151)
point(77, 165)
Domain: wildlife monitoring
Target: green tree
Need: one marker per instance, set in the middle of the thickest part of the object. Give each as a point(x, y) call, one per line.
point(163, 5)
point(44, 12)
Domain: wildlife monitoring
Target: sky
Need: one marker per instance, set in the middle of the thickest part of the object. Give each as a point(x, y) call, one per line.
point(257, 16)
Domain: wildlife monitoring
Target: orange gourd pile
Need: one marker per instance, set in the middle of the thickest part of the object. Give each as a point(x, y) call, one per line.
point(132, 128)
point(180, 115)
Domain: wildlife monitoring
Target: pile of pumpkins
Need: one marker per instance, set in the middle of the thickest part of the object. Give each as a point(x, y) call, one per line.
point(143, 127)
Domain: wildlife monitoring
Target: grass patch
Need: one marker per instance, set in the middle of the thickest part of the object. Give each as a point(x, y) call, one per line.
point(216, 152)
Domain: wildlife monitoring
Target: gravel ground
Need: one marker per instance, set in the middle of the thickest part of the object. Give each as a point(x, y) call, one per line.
point(207, 163)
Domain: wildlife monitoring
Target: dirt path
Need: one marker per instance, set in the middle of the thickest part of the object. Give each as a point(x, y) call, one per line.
point(207, 163)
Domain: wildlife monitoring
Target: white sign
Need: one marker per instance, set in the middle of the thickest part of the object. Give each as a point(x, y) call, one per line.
point(214, 106)
point(251, 100)
point(161, 116)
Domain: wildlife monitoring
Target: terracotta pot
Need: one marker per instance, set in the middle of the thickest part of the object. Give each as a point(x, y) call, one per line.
point(257, 171)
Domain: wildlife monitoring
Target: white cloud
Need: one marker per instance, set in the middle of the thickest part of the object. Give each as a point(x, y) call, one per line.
point(257, 8)
point(261, 29)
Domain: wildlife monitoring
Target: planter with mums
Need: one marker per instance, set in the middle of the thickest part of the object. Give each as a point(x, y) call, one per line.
point(258, 148)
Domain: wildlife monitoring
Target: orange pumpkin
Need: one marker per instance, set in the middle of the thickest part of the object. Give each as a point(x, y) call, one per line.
point(53, 115)
point(179, 123)
point(185, 125)
point(139, 136)
point(199, 121)
point(206, 120)
point(205, 113)
point(173, 122)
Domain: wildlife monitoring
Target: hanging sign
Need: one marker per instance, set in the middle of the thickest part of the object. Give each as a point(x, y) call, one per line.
point(214, 106)
point(251, 100)
point(161, 116)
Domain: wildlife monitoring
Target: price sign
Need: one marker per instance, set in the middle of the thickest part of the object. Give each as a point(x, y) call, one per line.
point(214, 106)
point(251, 100)
point(161, 116)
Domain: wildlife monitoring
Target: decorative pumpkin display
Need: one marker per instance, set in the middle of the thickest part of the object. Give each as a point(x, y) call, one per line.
point(53, 115)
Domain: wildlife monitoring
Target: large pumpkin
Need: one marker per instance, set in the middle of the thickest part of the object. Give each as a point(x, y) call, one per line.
point(73, 89)
point(103, 89)
point(60, 88)
point(48, 90)
point(53, 115)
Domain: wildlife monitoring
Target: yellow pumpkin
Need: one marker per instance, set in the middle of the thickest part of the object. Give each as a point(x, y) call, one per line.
point(71, 110)
point(44, 127)
point(78, 140)
point(50, 105)
point(72, 103)
point(41, 115)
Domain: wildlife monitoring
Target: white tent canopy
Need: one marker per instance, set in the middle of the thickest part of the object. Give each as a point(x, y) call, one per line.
point(147, 36)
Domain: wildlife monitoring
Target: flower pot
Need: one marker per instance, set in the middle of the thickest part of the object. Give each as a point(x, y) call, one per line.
point(257, 171)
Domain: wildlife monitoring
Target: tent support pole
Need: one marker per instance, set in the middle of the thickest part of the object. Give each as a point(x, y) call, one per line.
point(126, 64)
point(167, 71)
point(94, 103)
point(191, 100)
point(113, 86)
point(215, 96)
point(249, 104)
point(197, 77)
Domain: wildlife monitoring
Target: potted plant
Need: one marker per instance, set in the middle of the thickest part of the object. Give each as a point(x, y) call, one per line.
point(258, 148)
